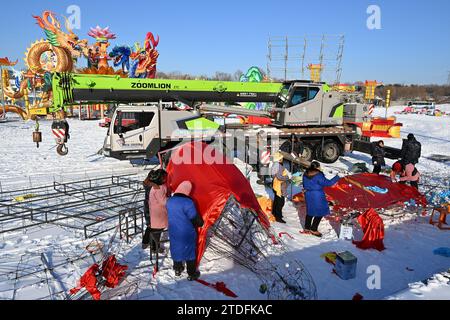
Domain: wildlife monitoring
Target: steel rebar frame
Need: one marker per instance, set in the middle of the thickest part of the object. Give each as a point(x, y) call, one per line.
point(86, 205)
point(238, 235)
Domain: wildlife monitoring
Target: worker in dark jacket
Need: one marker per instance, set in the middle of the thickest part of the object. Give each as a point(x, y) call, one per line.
point(411, 150)
point(183, 222)
point(316, 203)
point(378, 156)
point(293, 146)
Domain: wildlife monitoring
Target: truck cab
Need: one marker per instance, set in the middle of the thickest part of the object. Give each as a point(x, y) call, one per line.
point(141, 131)
point(306, 103)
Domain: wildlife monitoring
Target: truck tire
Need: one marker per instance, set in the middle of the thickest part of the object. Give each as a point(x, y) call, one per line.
point(308, 152)
point(329, 153)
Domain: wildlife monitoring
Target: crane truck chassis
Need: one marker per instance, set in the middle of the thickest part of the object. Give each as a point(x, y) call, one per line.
point(322, 118)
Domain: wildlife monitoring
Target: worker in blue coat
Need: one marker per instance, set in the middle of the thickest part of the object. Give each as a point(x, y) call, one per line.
point(316, 203)
point(183, 221)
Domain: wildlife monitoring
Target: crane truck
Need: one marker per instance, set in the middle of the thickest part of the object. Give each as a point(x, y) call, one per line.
point(327, 121)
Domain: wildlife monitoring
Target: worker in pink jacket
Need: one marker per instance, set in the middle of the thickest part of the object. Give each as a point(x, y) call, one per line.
point(408, 173)
point(157, 199)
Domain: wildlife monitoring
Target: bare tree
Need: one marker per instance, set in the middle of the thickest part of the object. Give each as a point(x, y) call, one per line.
point(222, 76)
point(237, 75)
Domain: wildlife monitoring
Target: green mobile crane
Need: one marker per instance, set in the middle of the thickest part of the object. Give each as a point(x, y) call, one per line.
point(307, 109)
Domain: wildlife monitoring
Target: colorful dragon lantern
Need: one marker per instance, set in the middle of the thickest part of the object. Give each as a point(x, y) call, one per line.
point(98, 56)
point(121, 56)
point(5, 62)
point(145, 58)
point(57, 53)
point(253, 74)
point(7, 91)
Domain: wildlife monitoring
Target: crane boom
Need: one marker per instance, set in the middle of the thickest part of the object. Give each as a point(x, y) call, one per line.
point(323, 118)
point(70, 88)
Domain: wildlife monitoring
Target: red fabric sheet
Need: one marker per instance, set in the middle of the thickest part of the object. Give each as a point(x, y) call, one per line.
point(219, 286)
point(373, 228)
point(350, 192)
point(89, 281)
point(112, 271)
point(212, 185)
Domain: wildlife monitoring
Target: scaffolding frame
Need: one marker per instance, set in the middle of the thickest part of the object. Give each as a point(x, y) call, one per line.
point(289, 56)
point(91, 205)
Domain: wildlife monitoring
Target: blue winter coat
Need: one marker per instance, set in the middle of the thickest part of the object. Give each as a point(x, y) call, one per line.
point(183, 236)
point(316, 202)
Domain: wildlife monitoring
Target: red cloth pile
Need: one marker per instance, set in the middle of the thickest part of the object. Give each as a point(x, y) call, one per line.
point(373, 228)
point(111, 271)
point(351, 192)
point(89, 281)
point(214, 178)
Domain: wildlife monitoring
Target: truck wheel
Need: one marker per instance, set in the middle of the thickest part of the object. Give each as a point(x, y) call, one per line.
point(308, 152)
point(330, 152)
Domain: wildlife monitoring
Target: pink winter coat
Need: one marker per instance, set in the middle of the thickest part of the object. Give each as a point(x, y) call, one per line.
point(157, 203)
point(408, 174)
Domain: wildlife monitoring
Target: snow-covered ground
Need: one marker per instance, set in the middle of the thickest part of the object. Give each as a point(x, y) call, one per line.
point(22, 161)
point(435, 288)
point(409, 240)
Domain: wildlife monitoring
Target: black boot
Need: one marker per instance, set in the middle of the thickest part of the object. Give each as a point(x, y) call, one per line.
point(193, 273)
point(178, 267)
point(146, 239)
point(194, 276)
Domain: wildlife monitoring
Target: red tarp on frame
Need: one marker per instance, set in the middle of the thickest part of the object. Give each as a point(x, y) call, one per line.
point(213, 183)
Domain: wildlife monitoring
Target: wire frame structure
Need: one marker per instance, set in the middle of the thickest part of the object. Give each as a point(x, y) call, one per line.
point(91, 205)
point(239, 236)
point(288, 57)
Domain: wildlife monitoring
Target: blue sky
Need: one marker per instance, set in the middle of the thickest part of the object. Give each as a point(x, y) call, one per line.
point(201, 37)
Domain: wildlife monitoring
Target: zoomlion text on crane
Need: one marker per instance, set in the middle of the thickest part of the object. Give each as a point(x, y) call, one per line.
point(139, 85)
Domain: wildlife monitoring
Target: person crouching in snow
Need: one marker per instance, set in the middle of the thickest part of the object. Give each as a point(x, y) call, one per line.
point(157, 212)
point(183, 221)
point(279, 187)
point(408, 173)
point(316, 203)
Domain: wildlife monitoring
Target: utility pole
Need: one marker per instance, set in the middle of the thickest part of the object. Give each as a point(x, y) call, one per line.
point(448, 80)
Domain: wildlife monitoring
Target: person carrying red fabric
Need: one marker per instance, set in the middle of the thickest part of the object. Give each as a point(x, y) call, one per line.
point(408, 173)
